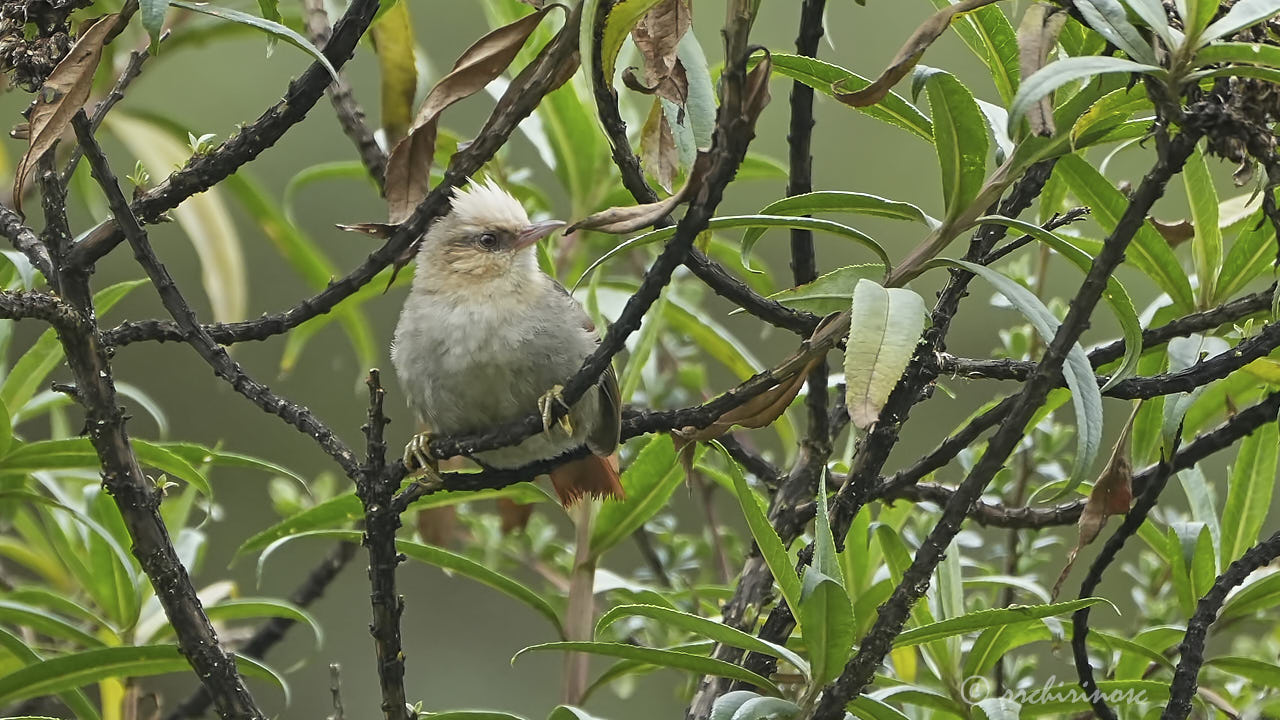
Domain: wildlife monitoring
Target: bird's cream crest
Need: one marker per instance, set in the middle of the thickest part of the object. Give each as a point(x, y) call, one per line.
point(489, 206)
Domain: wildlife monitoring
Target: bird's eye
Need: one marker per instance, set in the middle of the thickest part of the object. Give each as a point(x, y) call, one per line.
point(488, 241)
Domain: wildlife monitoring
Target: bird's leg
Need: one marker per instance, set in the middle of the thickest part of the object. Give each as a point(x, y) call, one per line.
point(545, 405)
point(419, 460)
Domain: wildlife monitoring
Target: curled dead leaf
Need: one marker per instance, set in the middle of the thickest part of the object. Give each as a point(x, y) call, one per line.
point(910, 53)
point(63, 93)
point(1175, 233)
point(625, 219)
point(657, 37)
point(1037, 37)
point(757, 88)
point(1112, 494)
point(658, 153)
point(409, 165)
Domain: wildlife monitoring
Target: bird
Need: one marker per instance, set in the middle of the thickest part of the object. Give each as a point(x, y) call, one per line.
point(485, 337)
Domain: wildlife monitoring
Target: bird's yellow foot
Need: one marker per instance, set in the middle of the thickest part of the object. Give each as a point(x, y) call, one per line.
point(545, 405)
point(419, 460)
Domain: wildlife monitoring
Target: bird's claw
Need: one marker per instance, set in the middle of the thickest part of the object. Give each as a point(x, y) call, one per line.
point(419, 460)
point(545, 404)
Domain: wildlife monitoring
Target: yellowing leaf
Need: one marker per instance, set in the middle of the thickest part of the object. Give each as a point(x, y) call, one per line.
point(884, 325)
point(393, 41)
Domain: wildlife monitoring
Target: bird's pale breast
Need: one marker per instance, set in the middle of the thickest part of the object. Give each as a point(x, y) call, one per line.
point(469, 362)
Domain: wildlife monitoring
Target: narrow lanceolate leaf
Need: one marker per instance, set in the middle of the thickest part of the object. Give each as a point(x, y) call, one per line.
point(989, 35)
point(1056, 74)
point(829, 292)
point(983, 619)
point(717, 631)
point(649, 481)
point(75, 670)
point(696, 664)
point(1115, 294)
point(1153, 14)
point(911, 52)
point(397, 69)
point(767, 708)
point(960, 136)
point(771, 548)
point(1085, 396)
point(1109, 19)
point(1249, 492)
point(824, 201)
point(1206, 245)
point(825, 615)
point(152, 13)
point(284, 32)
point(885, 325)
point(1241, 15)
point(1148, 252)
point(835, 81)
point(79, 453)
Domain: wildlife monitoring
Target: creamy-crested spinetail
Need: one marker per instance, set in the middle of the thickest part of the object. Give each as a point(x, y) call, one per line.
point(485, 337)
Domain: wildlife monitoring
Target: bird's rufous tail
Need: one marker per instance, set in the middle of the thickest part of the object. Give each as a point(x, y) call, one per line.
point(592, 476)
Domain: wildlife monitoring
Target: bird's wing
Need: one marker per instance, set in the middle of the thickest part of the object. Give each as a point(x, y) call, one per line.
point(606, 433)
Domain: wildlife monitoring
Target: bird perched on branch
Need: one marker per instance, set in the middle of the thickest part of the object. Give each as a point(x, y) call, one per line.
point(485, 337)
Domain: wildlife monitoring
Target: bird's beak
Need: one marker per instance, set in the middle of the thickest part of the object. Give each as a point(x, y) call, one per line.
point(536, 232)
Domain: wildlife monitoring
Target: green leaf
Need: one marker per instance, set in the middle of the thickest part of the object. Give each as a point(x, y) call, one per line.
point(75, 670)
point(1085, 396)
point(996, 617)
point(622, 17)
point(717, 631)
point(992, 38)
point(1153, 14)
point(766, 708)
point(727, 704)
point(273, 28)
point(885, 327)
point(1241, 53)
point(1116, 296)
point(828, 293)
point(1249, 492)
point(999, 708)
point(1259, 672)
point(46, 622)
point(74, 699)
point(756, 166)
point(29, 372)
point(732, 221)
point(1148, 252)
point(79, 453)
point(1106, 115)
point(1206, 245)
point(1109, 19)
point(1241, 15)
point(1066, 699)
point(960, 136)
point(648, 481)
point(1059, 73)
point(472, 714)
point(1251, 254)
point(152, 13)
point(834, 201)
point(826, 621)
point(696, 664)
point(771, 548)
point(246, 608)
point(825, 77)
point(453, 563)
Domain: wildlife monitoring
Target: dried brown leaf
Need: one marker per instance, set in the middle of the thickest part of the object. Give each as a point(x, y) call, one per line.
point(657, 37)
point(409, 165)
point(760, 411)
point(756, 95)
point(64, 92)
point(1175, 233)
point(625, 219)
point(1112, 494)
point(382, 231)
point(1037, 36)
point(910, 53)
point(658, 153)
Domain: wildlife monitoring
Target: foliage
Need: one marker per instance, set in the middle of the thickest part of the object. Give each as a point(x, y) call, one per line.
point(843, 585)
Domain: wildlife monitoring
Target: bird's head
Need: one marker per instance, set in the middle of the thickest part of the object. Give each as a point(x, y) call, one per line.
point(487, 235)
